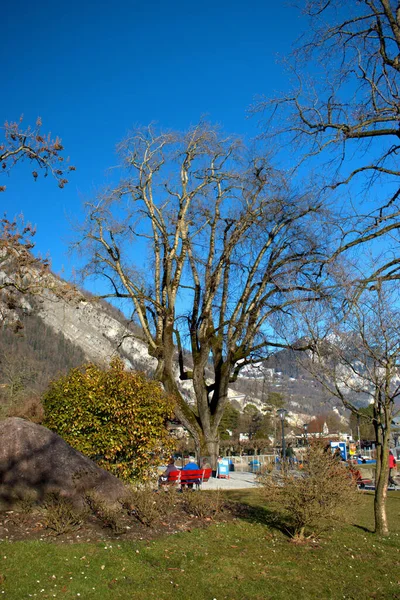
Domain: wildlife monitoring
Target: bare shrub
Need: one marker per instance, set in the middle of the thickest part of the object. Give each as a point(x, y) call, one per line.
point(167, 499)
point(150, 506)
point(203, 504)
point(311, 499)
point(109, 516)
point(61, 515)
point(144, 504)
point(29, 408)
point(27, 505)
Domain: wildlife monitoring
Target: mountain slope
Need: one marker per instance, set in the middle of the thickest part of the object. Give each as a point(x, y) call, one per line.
point(98, 331)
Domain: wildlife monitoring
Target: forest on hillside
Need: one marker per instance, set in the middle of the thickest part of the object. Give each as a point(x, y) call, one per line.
point(29, 360)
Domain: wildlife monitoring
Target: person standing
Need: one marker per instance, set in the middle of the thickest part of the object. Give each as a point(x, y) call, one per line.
point(392, 466)
point(290, 455)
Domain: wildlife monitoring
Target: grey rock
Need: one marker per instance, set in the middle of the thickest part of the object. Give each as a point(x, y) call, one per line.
point(35, 461)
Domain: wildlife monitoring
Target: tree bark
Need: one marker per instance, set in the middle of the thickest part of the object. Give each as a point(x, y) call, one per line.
point(165, 374)
point(212, 445)
point(381, 485)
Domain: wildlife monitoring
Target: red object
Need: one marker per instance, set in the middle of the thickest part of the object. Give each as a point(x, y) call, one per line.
point(358, 478)
point(392, 461)
point(184, 477)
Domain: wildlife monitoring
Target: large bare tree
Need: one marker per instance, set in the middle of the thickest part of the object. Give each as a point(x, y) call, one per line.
point(229, 247)
point(343, 110)
point(356, 356)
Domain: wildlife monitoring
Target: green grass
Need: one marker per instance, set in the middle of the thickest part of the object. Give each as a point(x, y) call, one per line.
point(244, 559)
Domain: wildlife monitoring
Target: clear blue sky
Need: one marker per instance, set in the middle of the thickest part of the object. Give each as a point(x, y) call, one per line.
point(92, 70)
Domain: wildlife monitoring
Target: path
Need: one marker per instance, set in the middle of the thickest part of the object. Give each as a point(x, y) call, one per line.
point(236, 481)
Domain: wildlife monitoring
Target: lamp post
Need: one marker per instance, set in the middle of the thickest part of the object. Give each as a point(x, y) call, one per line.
point(282, 413)
point(305, 427)
point(358, 434)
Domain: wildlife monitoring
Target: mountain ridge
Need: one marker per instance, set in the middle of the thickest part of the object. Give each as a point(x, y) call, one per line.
point(100, 331)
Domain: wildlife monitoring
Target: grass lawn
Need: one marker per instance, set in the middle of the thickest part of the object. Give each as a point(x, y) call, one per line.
point(247, 558)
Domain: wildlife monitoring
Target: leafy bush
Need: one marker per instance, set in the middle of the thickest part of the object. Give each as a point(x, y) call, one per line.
point(321, 492)
point(113, 416)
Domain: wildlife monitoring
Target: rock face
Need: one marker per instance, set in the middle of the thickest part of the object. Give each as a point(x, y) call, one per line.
point(81, 319)
point(36, 461)
point(87, 325)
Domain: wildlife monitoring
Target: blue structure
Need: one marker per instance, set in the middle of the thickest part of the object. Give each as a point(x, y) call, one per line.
point(223, 468)
point(254, 466)
point(342, 448)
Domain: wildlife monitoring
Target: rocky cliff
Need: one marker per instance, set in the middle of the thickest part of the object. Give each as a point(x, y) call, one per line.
point(100, 331)
point(87, 324)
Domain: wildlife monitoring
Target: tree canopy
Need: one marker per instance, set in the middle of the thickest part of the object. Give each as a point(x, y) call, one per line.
point(231, 248)
point(343, 110)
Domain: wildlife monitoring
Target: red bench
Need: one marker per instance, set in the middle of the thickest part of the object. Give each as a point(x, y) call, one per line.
point(359, 479)
point(363, 481)
point(188, 477)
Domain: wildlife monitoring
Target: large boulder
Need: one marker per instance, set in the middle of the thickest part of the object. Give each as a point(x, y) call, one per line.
point(35, 461)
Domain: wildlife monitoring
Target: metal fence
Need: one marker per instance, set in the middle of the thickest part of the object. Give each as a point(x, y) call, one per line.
point(244, 464)
point(257, 463)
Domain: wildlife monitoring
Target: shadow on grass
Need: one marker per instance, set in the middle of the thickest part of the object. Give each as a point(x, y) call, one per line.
point(251, 507)
point(363, 528)
point(261, 514)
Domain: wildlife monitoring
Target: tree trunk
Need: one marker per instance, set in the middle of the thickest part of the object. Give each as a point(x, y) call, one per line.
point(183, 413)
point(381, 523)
point(212, 445)
point(207, 421)
point(197, 448)
point(381, 485)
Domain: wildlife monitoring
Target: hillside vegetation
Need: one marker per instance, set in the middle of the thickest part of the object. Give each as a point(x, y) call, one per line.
point(29, 360)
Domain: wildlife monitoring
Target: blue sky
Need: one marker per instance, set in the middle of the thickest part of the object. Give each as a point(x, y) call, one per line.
point(94, 70)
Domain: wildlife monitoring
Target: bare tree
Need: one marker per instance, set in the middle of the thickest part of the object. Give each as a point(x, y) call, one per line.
point(344, 108)
point(17, 263)
point(230, 247)
point(356, 356)
point(30, 143)
point(21, 272)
